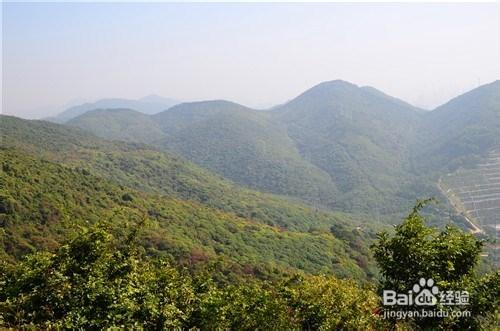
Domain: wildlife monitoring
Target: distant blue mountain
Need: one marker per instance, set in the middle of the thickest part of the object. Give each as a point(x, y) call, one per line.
point(150, 104)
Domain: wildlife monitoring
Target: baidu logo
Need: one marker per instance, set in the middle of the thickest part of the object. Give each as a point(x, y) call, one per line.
point(426, 300)
point(425, 293)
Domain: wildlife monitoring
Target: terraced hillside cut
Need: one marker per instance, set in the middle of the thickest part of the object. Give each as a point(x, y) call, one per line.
point(476, 193)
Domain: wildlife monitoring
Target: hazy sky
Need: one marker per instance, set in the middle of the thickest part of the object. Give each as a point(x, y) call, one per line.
point(255, 54)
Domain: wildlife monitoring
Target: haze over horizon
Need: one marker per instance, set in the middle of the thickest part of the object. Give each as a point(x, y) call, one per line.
point(258, 55)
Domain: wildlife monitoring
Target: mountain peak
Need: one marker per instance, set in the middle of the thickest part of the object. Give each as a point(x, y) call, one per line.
point(325, 91)
point(335, 83)
point(208, 105)
point(332, 86)
point(340, 93)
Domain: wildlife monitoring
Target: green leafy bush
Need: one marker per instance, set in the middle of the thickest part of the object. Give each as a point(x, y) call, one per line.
point(103, 280)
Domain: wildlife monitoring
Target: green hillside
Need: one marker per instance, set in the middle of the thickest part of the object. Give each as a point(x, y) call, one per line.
point(241, 144)
point(361, 137)
point(146, 169)
point(233, 141)
point(100, 277)
point(119, 124)
point(461, 132)
point(141, 168)
point(336, 145)
point(41, 202)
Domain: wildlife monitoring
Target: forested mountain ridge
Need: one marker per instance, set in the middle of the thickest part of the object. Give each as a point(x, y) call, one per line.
point(245, 146)
point(460, 132)
point(319, 147)
point(359, 136)
point(231, 140)
point(147, 169)
point(336, 145)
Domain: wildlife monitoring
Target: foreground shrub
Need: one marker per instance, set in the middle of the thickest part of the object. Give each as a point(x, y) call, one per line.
point(98, 280)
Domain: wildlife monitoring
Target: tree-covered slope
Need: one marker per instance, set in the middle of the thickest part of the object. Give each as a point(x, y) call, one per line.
point(100, 278)
point(41, 202)
point(337, 145)
point(233, 141)
point(243, 145)
point(147, 169)
point(460, 132)
point(359, 136)
point(119, 124)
